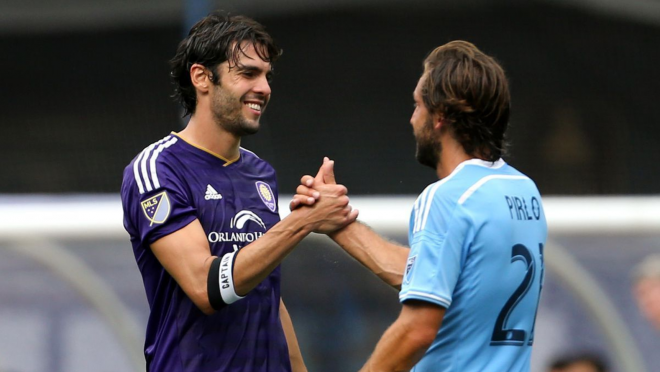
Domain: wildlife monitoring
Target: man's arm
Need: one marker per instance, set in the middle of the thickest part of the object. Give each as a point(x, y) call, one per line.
point(254, 264)
point(407, 339)
point(186, 254)
point(384, 258)
point(297, 362)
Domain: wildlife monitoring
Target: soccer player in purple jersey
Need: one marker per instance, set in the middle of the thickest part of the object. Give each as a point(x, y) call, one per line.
point(203, 219)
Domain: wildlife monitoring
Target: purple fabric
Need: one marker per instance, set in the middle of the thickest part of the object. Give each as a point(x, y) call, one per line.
point(169, 185)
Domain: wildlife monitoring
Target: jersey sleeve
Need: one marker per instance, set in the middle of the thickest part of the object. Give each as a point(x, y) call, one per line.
point(156, 211)
point(436, 253)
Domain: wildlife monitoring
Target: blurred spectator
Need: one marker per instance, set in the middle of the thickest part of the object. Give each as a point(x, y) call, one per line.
point(647, 288)
point(579, 363)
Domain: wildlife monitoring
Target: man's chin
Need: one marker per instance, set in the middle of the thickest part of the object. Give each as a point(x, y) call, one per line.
point(249, 128)
point(253, 125)
point(427, 158)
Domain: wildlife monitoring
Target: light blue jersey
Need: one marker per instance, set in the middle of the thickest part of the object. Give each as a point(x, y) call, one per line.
point(476, 240)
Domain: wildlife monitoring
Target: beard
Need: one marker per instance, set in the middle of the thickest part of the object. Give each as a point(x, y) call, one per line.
point(428, 149)
point(228, 114)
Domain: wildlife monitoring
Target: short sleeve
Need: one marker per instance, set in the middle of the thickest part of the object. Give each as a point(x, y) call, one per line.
point(434, 262)
point(151, 215)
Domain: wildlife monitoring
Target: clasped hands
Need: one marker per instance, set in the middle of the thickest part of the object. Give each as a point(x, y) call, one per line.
point(324, 200)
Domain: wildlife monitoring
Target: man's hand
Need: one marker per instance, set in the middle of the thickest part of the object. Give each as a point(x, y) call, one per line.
point(308, 192)
point(326, 194)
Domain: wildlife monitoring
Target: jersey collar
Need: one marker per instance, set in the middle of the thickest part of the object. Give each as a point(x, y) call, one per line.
point(225, 161)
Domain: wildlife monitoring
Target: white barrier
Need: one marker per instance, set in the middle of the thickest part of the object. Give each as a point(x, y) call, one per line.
point(30, 225)
point(100, 216)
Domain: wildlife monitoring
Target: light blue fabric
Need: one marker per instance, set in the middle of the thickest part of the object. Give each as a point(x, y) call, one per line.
point(477, 239)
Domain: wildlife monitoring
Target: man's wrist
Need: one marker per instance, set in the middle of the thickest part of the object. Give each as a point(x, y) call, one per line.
point(301, 221)
point(337, 234)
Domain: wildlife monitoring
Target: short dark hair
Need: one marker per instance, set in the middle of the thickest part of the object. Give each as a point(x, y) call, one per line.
point(215, 39)
point(470, 91)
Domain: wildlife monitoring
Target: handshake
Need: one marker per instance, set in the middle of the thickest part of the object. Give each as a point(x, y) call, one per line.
point(327, 211)
point(321, 202)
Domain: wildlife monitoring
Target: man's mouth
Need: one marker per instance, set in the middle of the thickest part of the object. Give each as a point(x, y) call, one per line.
point(254, 106)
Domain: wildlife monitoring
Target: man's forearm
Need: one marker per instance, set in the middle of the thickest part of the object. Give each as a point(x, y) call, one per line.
point(407, 339)
point(397, 351)
point(259, 258)
point(384, 258)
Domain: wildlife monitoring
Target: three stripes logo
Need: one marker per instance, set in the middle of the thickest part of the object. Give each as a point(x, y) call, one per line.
point(212, 194)
point(144, 167)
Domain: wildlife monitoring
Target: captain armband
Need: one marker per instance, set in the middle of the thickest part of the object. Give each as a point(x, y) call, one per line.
point(220, 282)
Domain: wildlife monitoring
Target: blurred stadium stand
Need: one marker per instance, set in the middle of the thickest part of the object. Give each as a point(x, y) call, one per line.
point(82, 101)
point(85, 87)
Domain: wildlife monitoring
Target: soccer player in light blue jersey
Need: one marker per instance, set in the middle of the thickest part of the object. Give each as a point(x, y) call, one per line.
point(201, 212)
point(471, 281)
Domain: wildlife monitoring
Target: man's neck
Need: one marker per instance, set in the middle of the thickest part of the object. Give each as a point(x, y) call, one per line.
point(203, 132)
point(451, 156)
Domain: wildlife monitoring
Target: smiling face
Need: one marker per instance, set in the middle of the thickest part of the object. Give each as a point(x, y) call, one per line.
point(243, 91)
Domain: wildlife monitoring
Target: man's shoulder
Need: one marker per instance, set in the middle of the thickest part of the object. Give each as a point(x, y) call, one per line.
point(154, 151)
point(466, 178)
point(250, 156)
point(481, 182)
point(253, 161)
point(151, 166)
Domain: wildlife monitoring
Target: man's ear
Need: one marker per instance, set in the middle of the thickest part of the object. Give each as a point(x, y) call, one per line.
point(199, 76)
point(438, 122)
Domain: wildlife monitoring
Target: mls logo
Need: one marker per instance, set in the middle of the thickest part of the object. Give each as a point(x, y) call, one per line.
point(409, 267)
point(157, 208)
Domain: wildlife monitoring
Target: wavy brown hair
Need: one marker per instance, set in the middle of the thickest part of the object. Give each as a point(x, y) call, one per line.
point(215, 39)
point(470, 91)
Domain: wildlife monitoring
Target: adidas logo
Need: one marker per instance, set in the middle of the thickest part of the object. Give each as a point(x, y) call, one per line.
point(212, 194)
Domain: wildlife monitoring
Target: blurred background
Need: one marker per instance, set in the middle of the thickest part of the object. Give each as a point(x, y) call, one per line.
point(85, 87)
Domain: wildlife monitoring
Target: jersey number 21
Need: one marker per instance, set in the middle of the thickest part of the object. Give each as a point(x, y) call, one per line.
point(516, 337)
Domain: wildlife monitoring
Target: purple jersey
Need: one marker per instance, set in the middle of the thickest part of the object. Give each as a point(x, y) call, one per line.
point(167, 186)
